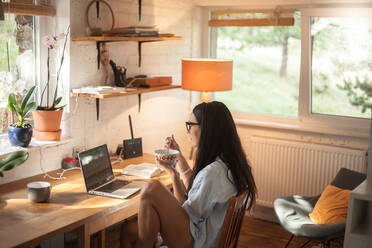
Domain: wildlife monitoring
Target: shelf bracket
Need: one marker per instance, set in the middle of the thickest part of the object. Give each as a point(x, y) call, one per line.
point(98, 44)
point(139, 9)
point(139, 53)
point(139, 102)
point(97, 108)
point(97, 7)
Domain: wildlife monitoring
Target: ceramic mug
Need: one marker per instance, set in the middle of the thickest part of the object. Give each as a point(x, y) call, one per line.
point(38, 191)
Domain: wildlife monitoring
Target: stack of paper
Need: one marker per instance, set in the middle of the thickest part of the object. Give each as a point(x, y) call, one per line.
point(99, 90)
point(145, 170)
point(134, 31)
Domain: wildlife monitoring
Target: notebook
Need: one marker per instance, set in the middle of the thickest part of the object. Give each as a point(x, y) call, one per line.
point(99, 178)
point(144, 170)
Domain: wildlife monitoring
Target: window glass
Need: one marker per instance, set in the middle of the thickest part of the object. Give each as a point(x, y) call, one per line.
point(266, 68)
point(341, 66)
point(16, 61)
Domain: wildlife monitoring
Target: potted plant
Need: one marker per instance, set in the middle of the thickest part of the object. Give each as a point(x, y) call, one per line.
point(48, 115)
point(8, 85)
point(20, 133)
point(13, 160)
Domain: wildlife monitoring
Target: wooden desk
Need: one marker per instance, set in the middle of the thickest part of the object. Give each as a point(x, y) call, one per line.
point(24, 223)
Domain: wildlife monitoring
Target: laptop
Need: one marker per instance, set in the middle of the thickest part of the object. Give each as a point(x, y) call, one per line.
point(99, 177)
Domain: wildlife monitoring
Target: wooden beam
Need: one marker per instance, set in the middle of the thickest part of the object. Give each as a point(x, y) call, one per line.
point(263, 11)
point(28, 9)
point(252, 22)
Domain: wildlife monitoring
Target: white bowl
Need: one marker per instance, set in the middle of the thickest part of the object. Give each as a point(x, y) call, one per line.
point(167, 156)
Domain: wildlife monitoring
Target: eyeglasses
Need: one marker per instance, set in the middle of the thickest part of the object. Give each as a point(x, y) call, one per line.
point(189, 124)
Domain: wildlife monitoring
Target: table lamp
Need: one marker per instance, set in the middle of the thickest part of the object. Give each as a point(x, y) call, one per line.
point(207, 75)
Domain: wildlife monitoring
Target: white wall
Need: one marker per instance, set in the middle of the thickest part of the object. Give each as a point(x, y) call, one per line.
point(162, 113)
point(270, 3)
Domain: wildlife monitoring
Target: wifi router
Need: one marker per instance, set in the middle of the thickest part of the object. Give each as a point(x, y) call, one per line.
point(132, 147)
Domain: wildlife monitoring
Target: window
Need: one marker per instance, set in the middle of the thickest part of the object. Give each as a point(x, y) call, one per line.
point(16, 60)
point(341, 70)
point(266, 68)
point(318, 71)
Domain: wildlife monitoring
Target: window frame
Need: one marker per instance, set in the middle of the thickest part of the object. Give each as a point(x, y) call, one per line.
point(43, 25)
point(305, 98)
point(35, 44)
point(305, 120)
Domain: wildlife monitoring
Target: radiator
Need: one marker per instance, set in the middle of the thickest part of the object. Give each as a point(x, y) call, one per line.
point(283, 167)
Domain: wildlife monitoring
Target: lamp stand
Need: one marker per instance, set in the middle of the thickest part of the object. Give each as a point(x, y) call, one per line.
point(206, 96)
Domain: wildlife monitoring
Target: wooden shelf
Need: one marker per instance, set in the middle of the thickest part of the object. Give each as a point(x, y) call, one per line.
point(138, 92)
point(28, 9)
point(140, 40)
point(126, 93)
point(119, 38)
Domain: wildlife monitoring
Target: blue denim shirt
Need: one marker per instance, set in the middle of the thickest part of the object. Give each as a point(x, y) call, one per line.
point(207, 203)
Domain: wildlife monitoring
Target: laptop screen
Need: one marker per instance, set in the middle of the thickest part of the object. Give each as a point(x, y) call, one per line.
point(96, 166)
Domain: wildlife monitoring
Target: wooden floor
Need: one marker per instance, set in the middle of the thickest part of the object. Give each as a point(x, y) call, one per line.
point(257, 233)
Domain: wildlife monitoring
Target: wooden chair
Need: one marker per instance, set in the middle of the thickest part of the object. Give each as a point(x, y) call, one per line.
point(233, 221)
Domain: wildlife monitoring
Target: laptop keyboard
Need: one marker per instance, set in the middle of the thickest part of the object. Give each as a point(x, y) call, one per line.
point(115, 185)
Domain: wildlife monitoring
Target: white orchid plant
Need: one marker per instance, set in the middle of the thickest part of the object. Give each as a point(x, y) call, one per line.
point(8, 85)
point(51, 42)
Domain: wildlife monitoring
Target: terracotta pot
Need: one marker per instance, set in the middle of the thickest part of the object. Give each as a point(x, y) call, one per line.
point(47, 135)
point(46, 124)
point(47, 121)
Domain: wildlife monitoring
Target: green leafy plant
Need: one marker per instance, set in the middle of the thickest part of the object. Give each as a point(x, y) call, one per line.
point(24, 109)
point(12, 160)
point(359, 92)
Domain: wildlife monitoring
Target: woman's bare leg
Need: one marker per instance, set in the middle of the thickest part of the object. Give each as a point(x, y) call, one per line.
point(160, 211)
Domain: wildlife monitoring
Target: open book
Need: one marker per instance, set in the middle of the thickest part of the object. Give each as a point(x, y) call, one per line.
point(145, 170)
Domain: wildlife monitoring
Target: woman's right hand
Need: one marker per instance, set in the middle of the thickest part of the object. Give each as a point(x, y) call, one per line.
point(171, 143)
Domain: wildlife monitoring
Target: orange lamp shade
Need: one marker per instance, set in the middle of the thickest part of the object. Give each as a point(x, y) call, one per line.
point(207, 74)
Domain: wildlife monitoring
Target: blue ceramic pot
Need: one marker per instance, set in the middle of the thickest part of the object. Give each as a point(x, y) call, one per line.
point(19, 136)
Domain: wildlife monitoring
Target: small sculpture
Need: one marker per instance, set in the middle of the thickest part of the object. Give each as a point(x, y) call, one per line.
point(105, 61)
point(119, 73)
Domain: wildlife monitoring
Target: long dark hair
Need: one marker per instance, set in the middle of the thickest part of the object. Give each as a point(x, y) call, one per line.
point(218, 137)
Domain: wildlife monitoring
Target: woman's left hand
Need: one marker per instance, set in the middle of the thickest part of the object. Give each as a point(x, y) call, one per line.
point(170, 169)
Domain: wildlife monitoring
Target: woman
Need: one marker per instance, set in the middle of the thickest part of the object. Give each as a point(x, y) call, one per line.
point(193, 215)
